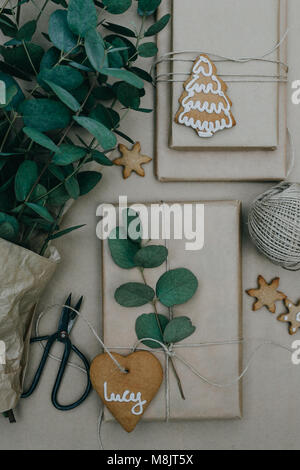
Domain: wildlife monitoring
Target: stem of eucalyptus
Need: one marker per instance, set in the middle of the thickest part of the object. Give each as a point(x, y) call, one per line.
point(161, 331)
point(53, 228)
point(42, 10)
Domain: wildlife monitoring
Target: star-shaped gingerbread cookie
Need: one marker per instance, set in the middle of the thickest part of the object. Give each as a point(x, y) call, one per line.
point(266, 294)
point(292, 317)
point(132, 160)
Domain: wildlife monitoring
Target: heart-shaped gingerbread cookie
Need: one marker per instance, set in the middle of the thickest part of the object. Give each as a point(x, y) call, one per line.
point(127, 395)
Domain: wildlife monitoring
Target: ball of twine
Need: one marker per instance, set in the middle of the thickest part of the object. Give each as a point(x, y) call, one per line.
point(274, 225)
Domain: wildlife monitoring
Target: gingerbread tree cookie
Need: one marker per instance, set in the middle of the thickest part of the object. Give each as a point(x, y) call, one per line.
point(132, 160)
point(292, 317)
point(266, 294)
point(204, 104)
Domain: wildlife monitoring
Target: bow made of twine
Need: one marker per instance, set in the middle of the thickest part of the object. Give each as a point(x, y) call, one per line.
point(170, 57)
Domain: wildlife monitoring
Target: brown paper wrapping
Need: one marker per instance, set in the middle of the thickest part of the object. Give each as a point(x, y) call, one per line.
point(215, 311)
point(23, 277)
point(223, 164)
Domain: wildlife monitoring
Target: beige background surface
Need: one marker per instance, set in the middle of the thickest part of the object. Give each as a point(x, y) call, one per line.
point(271, 411)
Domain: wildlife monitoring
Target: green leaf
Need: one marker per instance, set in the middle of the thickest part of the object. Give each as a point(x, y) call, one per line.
point(45, 115)
point(72, 187)
point(68, 154)
point(14, 71)
point(88, 180)
point(82, 16)
point(122, 249)
point(26, 176)
point(58, 197)
point(101, 158)
point(9, 227)
point(64, 96)
point(134, 294)
point(50, 58)
point(148, 49)
point(116, 28)
point(128, 95)
point(151, 256)
point(26, 32)
point(116, 7)
point(158, 26)
point(60, 33)
point(117, 41)
point(142, 74)
point(178, 329)
point(41, 211)
point(40, 139)
point(94, 47)
point(147, 326)
point(176, 287)
point(148, 7)
point(108, 117)
point(11, 92)
point(18, 57)
point(62, 75)
point(18, 97)
point(64, 232)
point(104, 136)
point(40, 193)
point(125, 76)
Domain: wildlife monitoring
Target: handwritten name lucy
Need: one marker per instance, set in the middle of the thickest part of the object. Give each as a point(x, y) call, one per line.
point(127, 397)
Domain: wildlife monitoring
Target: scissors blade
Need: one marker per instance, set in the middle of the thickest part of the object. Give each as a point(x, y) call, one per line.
point(73, 315)
point(65, 315)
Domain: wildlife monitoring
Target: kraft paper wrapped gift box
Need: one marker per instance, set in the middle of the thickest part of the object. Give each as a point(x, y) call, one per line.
point(235, 154)
point(255, 104)
point(215, 310)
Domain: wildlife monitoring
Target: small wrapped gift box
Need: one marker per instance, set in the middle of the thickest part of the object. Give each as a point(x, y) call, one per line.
point(256, 148)
point(215, 310)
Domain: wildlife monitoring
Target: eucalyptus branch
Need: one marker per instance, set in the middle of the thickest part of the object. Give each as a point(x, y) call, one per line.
point(154, 303)
point(42, 10)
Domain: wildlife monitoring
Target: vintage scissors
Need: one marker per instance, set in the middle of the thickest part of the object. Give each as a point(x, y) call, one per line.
point(66, 323)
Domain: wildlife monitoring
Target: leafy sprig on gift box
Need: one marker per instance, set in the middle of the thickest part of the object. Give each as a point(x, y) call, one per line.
point(174, 287)
point(85, 80)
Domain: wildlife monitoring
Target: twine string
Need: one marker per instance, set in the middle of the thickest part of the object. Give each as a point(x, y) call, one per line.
point(168, 353)
point(169, 57)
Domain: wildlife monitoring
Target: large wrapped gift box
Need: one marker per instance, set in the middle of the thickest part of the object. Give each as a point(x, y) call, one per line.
point(215, 310)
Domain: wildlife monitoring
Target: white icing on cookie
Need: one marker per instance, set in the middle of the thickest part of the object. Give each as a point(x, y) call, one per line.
point(127, 397)
point(194, 86)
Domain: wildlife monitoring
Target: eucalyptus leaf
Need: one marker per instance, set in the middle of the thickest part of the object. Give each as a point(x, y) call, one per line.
point(64, 96)
point(9, 227)
point(122, 249)
point(125, 76)
point(95, 50)
point(18, 97)
point(41, 211)
point(88, 180)
point(151, 256)
point(44, 114)
point(149, 325)
point(115, 28)
point(134, 294)
point(72, 187)
point(148, 49)
point(26, 32)
point(158, 26)
point(60, 34)
point(68, 154)
point(176, 287)
point(26, 177)
point(128, 95)
point(148, 7)
point(107, 116)
point(62, 233)
point(40, 139)
point(62, 75)
point(58, 197)
point(50, 58)
point(104, 136)
point(142, 74)
point(116, 7)
point(82, 16)
point(178, 329)
point(18, 57)
point(101, 158)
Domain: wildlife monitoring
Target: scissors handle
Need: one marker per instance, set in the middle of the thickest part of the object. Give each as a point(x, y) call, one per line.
point(50, 341)
point(64, 363)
